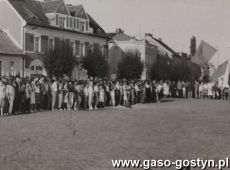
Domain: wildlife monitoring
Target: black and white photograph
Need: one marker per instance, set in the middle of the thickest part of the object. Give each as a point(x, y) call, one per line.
point(114, 84)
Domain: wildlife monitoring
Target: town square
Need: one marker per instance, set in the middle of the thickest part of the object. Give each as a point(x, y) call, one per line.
point(114, 84)
point(174, 129)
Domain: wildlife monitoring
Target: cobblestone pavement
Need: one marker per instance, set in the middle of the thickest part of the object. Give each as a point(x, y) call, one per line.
point(89, 140)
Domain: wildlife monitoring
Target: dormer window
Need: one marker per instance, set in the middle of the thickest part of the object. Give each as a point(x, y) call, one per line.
point(82, 26)
point(67, 22)
point(62, 22)
point(71, 22)
point(74, 23)
point(57, 19)
point(77, 23)
point(72, 14)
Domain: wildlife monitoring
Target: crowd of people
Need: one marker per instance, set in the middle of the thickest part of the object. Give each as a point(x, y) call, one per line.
point(27, 95)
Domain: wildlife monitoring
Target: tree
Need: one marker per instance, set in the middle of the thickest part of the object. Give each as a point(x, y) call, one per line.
point(193, 46)
point(229, 79)
point(178, 68)
point(160, 70)
point(60, 60)
point(130, 66)
point(95, 63)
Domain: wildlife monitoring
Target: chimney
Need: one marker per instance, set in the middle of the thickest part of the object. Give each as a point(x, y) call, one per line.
point(119, 31)
point(148, 34)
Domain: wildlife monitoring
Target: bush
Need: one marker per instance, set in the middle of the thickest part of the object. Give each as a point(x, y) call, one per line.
point(95, 64)
point(60, 60)
point(130, 66)
point(178, 68)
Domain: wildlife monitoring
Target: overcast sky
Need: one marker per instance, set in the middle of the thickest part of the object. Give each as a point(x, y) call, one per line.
point(175, 21)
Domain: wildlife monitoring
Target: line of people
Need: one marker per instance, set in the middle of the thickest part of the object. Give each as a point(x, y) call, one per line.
point(27, 95)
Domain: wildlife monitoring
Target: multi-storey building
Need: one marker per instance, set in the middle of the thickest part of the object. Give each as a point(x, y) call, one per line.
point(121, 43)
point(37, 26)
point(148, 47)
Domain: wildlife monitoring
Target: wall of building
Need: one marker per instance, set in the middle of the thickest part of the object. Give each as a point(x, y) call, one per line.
point(52, 33)
point(11, 23)
point(63, 35)
point(150, 58)
point(5, 65)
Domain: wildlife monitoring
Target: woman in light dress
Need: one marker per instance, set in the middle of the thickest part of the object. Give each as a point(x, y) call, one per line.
point(125, 97)
point(165, 89)
point(112, 93)
point(90, 92)
point(201, 90)
point(101, 96)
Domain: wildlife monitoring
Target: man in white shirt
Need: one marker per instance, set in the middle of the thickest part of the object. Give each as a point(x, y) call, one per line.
point(54, 89)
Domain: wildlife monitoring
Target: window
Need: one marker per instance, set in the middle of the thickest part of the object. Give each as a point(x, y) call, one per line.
point(67, 41)
point(72, 14)
point(32, 68)
point(96, 47)
point(105, 50)
point(74, 23)
point(36, 44)
point(77, 23)
point(61, 22)
point(57, 20)
point(82, 26)
point(11, 67)
point(67, 22)
point(51, 41)
point(77, 47)
point(87, 48)
point(87, 25)
point(56, 42)
point(39, 68)
point(81, 50)
point(1, 68)
point(44, 43)
point(71, 23)
point(29, 45)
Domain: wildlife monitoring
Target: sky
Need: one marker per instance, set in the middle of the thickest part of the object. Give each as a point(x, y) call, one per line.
point(175, 21)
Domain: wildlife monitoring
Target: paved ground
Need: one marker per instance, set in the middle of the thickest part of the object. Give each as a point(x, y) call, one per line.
point(89, 140)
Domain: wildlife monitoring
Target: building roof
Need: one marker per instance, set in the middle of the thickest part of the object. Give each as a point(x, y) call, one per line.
point(166, 46)
point(51, 6)
point(32, 12)
point(221, 70)
point(204, 53)
point(7, 46)
point(162, 47)
point(78, 11)
point(97, 29)
point(121, 36)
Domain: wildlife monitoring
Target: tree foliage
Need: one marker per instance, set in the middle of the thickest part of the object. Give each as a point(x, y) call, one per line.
point(60, 60)
point(193, 46)
point(229, 79)
point(95, 63)
point(130, 66)
point(178, 68)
